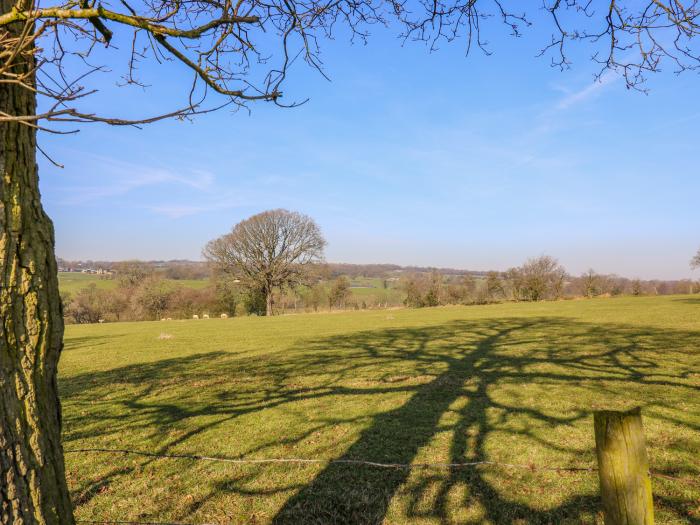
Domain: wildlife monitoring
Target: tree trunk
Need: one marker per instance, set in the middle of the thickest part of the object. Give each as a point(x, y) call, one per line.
point(268, 301)
point(32, 475)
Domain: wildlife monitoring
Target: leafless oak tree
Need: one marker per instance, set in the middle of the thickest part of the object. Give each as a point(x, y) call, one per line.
point(591, 283)
point(695, 261)
point(539, 278)
point(240, 50)
point(271, 250)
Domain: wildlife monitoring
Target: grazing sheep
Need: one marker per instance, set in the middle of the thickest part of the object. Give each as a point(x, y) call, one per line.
point(169, 319)
point(100, 320)
point(224, 316)
point(195, 316)
point(163, 319)
point(205, 316)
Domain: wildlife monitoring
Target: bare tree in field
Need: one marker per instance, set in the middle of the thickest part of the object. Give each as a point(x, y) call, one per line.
point(494, 286)
point(541, 278)
point(591, 283)
point(269, 251)
point(240, 52)
point(339, 292)
point(695, 261)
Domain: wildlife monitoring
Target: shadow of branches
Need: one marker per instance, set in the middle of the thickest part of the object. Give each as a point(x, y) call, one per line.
point(515, 390)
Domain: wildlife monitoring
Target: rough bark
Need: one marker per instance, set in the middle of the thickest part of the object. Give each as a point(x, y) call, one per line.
point(32, 475)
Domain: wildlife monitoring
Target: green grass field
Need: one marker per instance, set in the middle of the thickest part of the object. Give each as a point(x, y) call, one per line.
point(370, 288)
point(513, 383)
point(73, 282)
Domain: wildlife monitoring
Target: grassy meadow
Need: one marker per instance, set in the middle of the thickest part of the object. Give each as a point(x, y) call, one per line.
point(512, 383)
point(73, 282)
point(362, 288)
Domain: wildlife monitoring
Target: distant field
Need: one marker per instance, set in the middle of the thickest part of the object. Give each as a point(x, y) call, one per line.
point(73, 282)
point(513, 383)
point(363, 288)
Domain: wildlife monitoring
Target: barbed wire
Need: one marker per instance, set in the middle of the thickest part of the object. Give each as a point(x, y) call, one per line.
point(261, 461)
point(198, 457)
point(376, 464)
point(119, 522)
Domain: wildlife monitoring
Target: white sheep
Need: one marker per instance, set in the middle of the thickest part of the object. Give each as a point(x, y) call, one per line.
point(224, 316)
point(205, 316)
point(195, 316)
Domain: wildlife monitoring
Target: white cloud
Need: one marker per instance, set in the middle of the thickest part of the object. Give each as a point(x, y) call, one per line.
point(588, 92)
point(116, 177)
point(175, 211)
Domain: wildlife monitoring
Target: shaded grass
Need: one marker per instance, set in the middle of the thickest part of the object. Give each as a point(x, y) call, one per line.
point(508, 383)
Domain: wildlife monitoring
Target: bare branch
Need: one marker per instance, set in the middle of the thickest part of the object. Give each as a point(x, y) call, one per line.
point(129, 20)
point(243, 49)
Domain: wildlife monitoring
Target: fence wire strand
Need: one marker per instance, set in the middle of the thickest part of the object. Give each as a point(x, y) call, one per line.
point(119, 522)
point(198, 457)
point(262, 461)
point(359, 462)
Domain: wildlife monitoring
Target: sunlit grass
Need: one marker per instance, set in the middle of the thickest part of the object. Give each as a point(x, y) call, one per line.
point(513, 383)
point(73, 282)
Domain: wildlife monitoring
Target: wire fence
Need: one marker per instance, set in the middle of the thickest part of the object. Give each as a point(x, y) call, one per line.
point(357, 462)
point(140, 522)
point(376, 464)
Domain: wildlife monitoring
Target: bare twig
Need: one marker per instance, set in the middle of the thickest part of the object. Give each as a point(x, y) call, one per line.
point(243, 49)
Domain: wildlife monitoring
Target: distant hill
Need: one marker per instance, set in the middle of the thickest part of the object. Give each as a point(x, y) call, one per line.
point(380, 271)
point(391, 270)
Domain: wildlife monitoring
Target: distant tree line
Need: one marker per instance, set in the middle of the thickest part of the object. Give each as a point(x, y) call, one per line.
point(540, 278)
point(383, 270)
point(272, 263)
point(141, 293)
point(144, 294)
point(175, 269)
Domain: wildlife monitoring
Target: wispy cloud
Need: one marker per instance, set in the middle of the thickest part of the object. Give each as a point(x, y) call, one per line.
point(551, 118)
point(588, 92)
point(116, 177)
point(176, 211)
point(249, 193)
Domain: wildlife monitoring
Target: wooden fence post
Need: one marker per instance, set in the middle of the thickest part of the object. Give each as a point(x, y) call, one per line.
point(623, 468)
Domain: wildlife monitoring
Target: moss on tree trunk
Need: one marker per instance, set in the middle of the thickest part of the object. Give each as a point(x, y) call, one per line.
point(32, 475)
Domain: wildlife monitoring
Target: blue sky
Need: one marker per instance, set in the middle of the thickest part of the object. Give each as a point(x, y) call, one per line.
point(405, 156)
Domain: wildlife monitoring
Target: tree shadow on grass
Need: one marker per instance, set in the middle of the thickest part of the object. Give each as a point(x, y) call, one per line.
point(89, 341)
point(513, 390)
point(501, 353)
